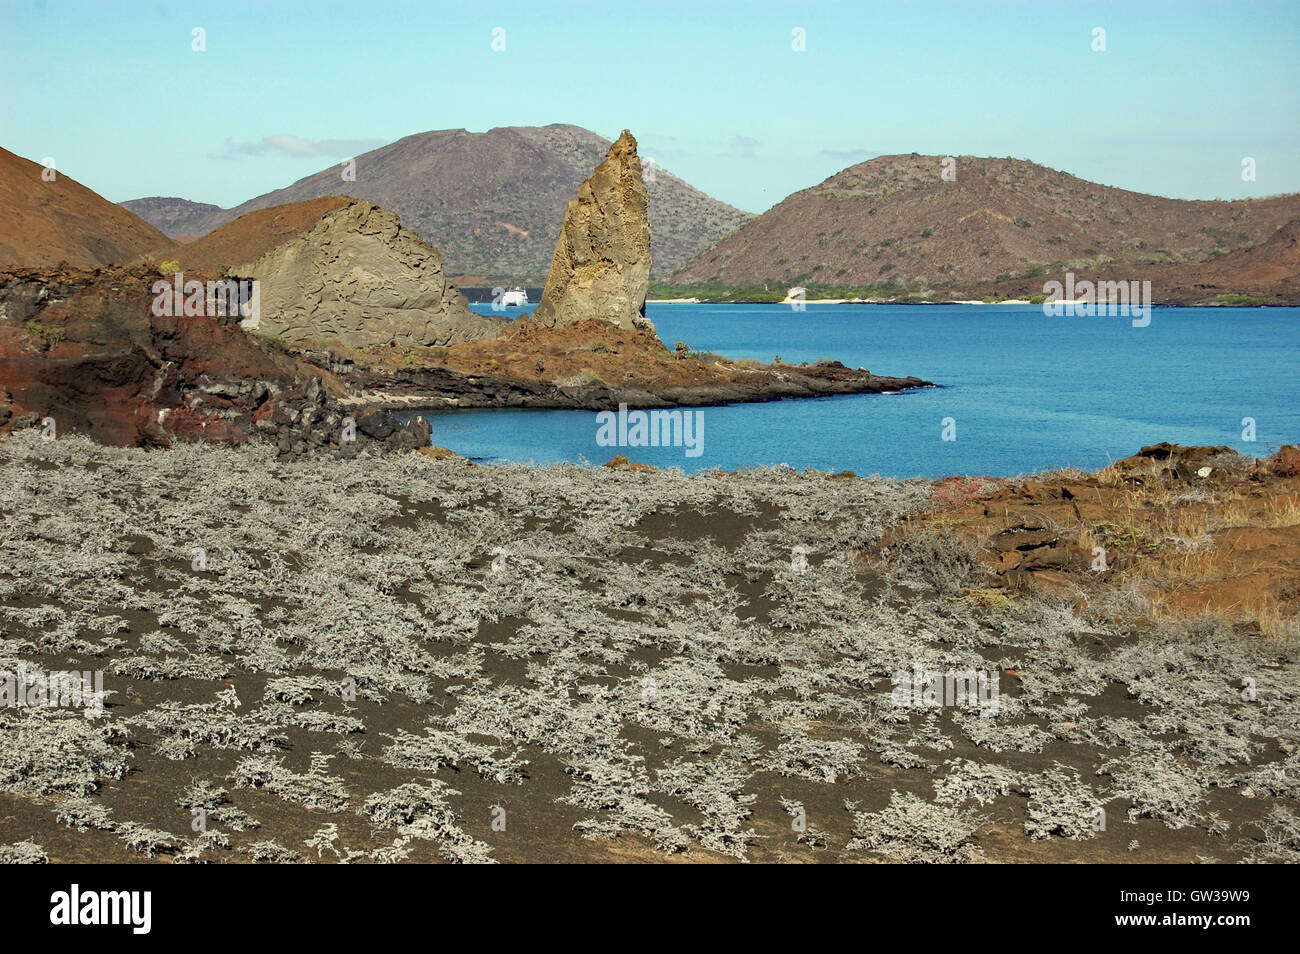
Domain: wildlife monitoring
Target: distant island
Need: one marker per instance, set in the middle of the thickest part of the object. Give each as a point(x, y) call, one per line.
point(917, 229)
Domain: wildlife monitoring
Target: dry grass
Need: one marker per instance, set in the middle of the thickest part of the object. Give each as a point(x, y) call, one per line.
point(1276, 620)
point(1172, 566)
point(527, 687)
point(990, 597)
point(1282, 511)
point(1173, 544)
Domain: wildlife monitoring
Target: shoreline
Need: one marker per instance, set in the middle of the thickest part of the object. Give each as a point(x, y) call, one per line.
point(505, 394)
point(549, 371)
point(86, 348)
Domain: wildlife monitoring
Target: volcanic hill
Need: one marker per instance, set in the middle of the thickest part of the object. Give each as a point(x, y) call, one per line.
point(86, 351)
point(492, 202)
point(47, 222)
point(895, 222)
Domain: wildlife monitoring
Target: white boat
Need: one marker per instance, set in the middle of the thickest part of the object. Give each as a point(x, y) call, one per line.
point(514, 298)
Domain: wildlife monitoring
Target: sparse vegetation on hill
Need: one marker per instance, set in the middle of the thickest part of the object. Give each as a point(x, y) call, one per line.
point(895, 215)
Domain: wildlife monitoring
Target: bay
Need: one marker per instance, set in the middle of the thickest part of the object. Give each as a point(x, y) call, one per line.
point(1023, 392)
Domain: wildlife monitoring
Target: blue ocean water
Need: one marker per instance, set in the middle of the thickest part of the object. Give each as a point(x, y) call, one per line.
point(1026, 392)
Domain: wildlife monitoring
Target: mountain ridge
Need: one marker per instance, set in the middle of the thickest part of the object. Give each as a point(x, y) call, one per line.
point(492, 202)
point(894, 221)
point(46, 221)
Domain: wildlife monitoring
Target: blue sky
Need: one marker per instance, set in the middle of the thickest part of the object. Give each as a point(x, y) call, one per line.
point(713, 91)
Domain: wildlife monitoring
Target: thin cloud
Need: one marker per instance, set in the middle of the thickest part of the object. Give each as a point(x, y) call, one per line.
point(287, 144)
point(662, 144)
point(848, 155)
point(741, 147)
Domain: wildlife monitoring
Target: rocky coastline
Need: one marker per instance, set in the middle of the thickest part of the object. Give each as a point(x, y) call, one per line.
point(444, 389)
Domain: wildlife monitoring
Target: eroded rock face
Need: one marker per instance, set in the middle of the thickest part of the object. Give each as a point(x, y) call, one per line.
point(85, 348)
point(358, 277)
point(601, 266)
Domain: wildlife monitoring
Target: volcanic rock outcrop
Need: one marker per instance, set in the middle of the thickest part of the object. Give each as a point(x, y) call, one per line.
point(601, 266)
point(342, 269)
point(47, 218)
point(87, 349)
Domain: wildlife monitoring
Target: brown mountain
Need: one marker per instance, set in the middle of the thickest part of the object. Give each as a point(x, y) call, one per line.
point(45, 223)
point(894, 220)
point(492, 202)
point(180, 219)
point(253, 235)
point(1271, 265)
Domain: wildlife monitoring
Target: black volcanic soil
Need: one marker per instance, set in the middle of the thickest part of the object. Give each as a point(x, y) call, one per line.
point(646, 675)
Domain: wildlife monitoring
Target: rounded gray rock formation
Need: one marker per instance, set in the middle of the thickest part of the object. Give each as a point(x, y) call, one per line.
point(358, 277)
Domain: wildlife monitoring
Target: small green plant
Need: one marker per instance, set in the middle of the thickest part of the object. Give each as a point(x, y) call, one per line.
point(170, 267)
point(1241, 300)
point(47, 335)
point(1120, 535)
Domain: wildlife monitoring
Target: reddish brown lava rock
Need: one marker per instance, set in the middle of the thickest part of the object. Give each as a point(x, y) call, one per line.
point(621, 462)
point(85, 347)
